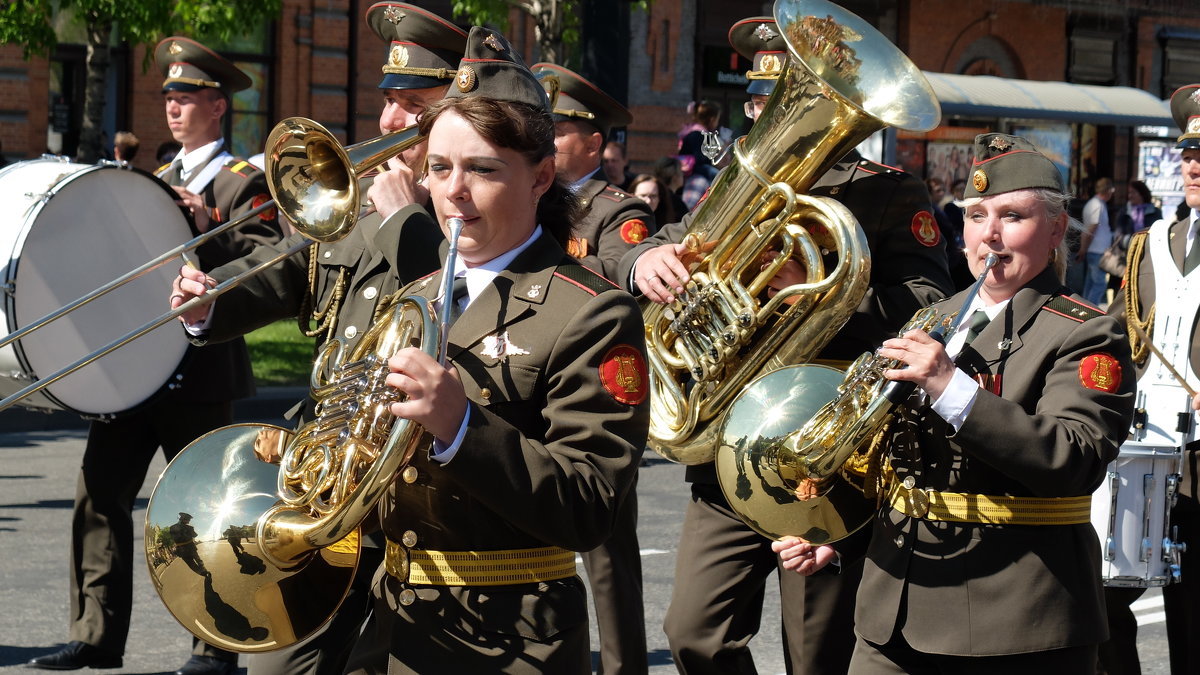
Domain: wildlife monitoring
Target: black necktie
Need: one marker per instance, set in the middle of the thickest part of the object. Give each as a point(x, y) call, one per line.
point(457, 294)
point(978, 320)
point(1192, 259)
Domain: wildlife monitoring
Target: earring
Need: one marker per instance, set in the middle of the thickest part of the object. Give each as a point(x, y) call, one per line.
point(1053, 255)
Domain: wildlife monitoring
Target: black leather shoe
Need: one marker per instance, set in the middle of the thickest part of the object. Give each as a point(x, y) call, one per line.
point(207, 665)
point(77, 655)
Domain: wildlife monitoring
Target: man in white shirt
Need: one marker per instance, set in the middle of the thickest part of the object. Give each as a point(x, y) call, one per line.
point(1097, 236)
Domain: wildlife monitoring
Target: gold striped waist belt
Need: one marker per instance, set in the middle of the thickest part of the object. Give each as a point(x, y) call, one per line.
point(989, 509)
point(478, 568)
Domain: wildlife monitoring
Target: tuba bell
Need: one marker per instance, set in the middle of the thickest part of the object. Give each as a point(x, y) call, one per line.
point(842, 82)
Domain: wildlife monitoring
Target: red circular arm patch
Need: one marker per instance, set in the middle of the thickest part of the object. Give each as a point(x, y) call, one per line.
point(1100, 371)
point(634, 231)
point(623, 374)
point(259, 200)
point(925, 229)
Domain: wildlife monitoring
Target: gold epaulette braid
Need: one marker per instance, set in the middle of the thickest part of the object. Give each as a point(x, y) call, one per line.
point(1133, 307)
point(326, 318)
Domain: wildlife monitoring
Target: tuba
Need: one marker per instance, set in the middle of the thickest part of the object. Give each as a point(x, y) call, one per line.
point(842, 82)
point(252, 530)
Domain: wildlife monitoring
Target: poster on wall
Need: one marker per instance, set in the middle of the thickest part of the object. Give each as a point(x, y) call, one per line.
point(1159, 169)
point(1053, 140)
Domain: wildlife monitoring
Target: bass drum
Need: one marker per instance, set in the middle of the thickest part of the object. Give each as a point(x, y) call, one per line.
point(72, 228)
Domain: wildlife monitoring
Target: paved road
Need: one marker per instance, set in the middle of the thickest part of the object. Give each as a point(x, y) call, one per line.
point(37, 484)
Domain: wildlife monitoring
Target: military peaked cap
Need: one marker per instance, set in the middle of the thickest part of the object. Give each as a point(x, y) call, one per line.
point(188, 65)
point(1185, 108)
point(423, 47)
point(758, 39)
point(1004, 163)
point(579, 99)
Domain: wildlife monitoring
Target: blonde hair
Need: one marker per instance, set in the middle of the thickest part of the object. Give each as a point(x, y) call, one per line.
point(1055, 204)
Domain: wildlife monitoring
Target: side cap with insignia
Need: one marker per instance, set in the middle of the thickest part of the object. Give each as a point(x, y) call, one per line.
point(1005, 163)
point(490, 67)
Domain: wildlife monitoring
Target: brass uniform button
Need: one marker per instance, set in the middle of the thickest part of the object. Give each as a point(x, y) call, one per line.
point(351, 331)
point(370, 292)
point(409, 475)
point(409, 538)
point(485, 393)
point(408, 596)
point(909, 483)
point(899, 541)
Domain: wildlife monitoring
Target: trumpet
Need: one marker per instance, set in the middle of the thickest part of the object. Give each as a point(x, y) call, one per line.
point(313, 181)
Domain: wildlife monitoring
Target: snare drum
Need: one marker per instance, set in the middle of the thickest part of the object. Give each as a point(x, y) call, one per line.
point(1130, 512)
point(69, 229)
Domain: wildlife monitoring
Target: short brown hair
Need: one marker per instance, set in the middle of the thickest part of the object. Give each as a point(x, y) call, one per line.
point(125, 145)
point(525, 129)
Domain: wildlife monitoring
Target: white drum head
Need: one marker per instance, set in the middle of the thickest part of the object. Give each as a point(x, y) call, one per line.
point(99, 223)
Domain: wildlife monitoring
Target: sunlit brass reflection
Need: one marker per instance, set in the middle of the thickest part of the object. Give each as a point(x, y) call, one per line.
point(770, 492)
point(207, 560)
point(842, 81)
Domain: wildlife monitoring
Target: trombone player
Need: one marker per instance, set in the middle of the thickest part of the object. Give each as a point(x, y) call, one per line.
point(214, 187)
point(335, 290)
point(723, 564)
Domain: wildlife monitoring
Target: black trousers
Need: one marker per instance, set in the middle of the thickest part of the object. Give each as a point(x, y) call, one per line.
point(115, 461)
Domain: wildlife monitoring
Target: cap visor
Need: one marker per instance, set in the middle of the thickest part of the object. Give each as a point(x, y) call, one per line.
point(181, 86)
point(761, 87)
point(402, 81)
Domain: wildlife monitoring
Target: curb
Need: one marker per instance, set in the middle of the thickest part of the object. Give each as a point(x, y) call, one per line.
point(268, 405)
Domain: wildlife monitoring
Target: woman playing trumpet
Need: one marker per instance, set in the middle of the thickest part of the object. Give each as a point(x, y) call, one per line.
point(982, 558)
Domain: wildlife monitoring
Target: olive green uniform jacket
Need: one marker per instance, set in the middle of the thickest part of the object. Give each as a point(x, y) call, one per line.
point(616, 221)
point(551, 448)
point(1041, 426)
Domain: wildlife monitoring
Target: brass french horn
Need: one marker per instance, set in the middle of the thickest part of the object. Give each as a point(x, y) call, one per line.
point(841, 82)
point(251, 532)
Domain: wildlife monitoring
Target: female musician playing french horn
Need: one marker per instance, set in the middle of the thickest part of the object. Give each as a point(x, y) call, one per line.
point(539, 415)
point(982, 558)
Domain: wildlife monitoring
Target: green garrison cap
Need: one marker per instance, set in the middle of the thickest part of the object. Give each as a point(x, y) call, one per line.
point(1004, 163)
point(490, 68)
point(423, 50)
point(1185, 108)
point(579, 99)
point(758, 39)
point(188, 65)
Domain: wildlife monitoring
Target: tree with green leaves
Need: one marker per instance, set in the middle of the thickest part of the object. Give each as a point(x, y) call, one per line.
point(31, 24)
point(556, 22)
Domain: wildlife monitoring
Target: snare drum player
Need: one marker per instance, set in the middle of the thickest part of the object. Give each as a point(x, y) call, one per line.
point(213, 186)
point(1161, 290)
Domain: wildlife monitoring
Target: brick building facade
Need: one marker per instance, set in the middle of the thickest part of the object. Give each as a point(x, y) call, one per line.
point(319, 60)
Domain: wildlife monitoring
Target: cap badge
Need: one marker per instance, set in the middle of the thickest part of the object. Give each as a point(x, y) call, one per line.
point(1000, 144)
point(979, 181)
point(770, 64)
point(466, 79)
point(394, 14)
point(398, 57)
point(174, 49)
point(1195, 96)
point(491, 41)
point(764, 32)
point(175, 70)
point(1193, 126)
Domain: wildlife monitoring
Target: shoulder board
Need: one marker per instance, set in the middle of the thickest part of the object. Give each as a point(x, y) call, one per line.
point(614, 193)
point(872, 167)
point(241, 167)
point(161, 168)
point(584, 278)
point(1076, 310)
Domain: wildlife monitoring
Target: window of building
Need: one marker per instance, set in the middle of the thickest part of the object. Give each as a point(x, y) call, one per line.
point(248, 126)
